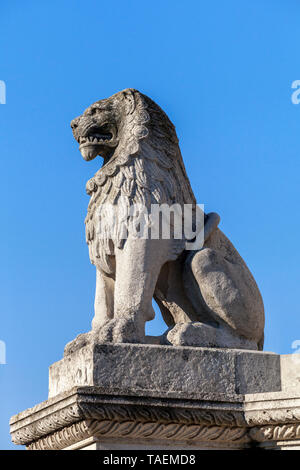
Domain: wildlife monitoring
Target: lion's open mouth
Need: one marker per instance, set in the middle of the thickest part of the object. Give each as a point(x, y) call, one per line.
point(95, 138)
point(98, 141)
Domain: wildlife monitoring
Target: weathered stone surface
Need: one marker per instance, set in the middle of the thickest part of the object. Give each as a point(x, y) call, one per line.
point(179, 372)
point(209, 285)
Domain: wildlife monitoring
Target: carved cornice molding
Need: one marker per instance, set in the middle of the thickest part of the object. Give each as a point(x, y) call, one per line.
point(275, 433)
point(85, 412)
point(63, 438)
point(161, 414)
point(113, 418)
point(139, 430)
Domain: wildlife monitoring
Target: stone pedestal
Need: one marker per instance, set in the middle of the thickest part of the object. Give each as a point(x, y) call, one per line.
point(127, 396)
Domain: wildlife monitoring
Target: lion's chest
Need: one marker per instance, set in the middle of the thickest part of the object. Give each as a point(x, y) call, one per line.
point(101, 225)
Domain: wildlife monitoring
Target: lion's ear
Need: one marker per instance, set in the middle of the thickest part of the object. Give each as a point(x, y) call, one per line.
point(130, 99)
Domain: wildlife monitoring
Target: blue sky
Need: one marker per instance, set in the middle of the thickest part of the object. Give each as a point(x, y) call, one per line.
point(223, 72)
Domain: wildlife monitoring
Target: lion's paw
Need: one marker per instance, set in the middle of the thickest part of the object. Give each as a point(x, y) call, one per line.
point(203, 335)
point(119, 330)
point(79, 342)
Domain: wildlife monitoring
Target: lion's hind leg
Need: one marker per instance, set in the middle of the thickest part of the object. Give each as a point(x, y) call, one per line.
point(229, 295)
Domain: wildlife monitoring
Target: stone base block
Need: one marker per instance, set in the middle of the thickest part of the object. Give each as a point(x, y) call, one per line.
point(130, 396)
point(176, 372)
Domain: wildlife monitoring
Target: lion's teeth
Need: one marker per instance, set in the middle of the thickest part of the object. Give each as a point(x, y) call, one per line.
point(93, 139)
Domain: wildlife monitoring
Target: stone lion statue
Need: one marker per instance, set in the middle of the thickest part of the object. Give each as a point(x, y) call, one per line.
point(207, 296)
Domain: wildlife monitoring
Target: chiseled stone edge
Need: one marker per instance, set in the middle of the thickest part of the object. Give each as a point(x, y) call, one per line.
point(273, 416)
point(266, 409)
point(45, 418)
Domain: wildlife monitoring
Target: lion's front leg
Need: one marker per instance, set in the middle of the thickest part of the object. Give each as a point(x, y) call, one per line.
point(104, 299)
point(138, 266)
point(104, 306)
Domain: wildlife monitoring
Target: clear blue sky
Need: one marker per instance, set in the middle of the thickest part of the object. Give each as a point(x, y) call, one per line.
point(223, 73)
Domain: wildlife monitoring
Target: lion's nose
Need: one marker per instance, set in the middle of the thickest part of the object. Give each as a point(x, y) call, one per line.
point(74, 123)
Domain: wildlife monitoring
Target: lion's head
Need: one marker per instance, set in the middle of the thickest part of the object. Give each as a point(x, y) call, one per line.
point(129, 124)
point(99, 129)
